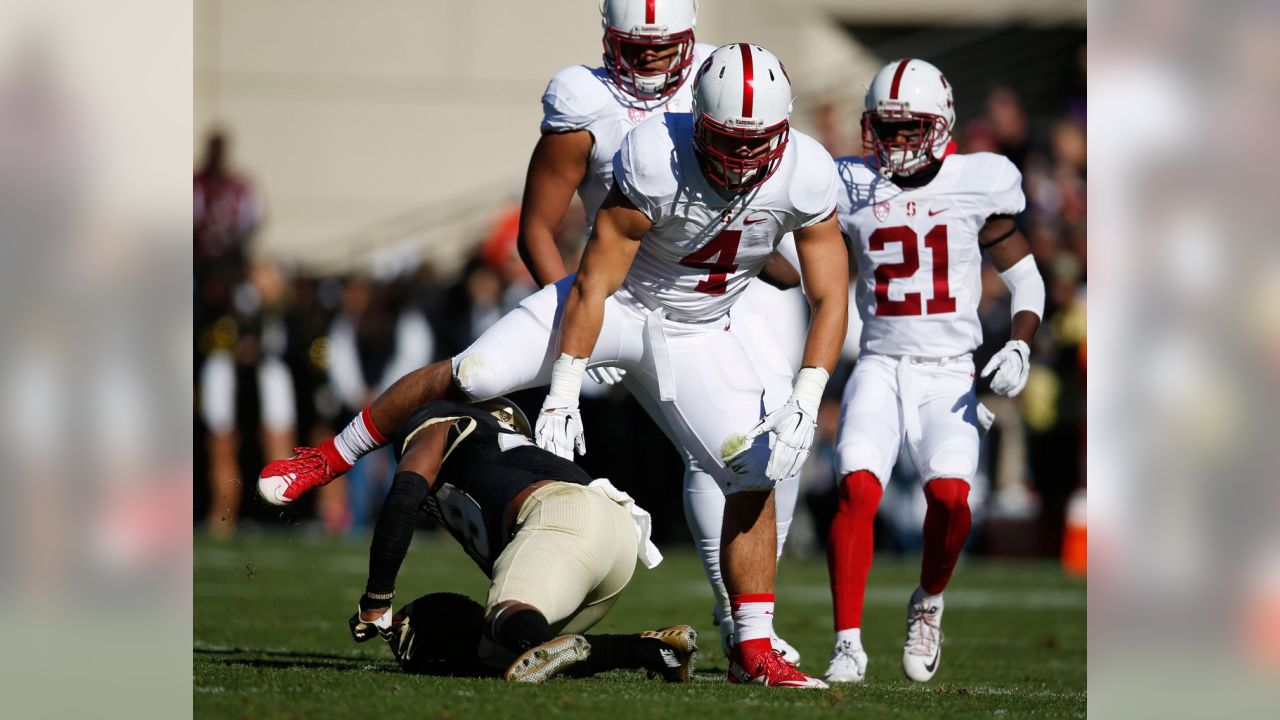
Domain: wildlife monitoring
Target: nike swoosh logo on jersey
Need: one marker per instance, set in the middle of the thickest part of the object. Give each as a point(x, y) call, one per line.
point(749, 221)
point(937, 212)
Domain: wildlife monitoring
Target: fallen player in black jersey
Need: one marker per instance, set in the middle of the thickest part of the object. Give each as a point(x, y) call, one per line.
point(558, 547)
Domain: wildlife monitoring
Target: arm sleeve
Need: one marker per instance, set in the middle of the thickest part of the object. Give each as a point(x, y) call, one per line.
point(1026, 287)
point(394, 531)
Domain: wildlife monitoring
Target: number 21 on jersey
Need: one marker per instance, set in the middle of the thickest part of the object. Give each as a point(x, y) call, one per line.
point(935, 241)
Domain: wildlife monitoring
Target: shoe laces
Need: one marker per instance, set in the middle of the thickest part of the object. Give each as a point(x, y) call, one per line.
point(775, 665)
point(308, 461)
point(844, 649)
point(923, 632)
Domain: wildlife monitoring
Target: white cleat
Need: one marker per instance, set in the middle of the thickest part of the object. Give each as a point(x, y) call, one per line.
point(923, 650)
point(725, 623)
point(848, 664)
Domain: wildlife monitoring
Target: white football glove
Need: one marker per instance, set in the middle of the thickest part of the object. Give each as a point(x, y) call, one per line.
point(1011, 366)
point(792, 427)
point(606, 374)
point(559, 427)
point(559, 430)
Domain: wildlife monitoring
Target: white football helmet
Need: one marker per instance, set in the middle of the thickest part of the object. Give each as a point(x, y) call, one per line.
point(741, 97)
point(631, 27)
point(912, 92)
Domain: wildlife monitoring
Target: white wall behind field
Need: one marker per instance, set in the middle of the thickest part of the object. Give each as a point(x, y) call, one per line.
point(374, 124)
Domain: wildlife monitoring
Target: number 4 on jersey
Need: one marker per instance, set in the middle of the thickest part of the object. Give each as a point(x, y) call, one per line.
point(936, 241)
point(724, 248)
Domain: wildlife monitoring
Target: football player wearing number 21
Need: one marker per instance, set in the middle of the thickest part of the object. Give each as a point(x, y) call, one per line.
point(918, 217)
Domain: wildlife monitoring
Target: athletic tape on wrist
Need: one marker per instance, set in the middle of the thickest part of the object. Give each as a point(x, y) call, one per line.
point(566, 382)
point(807, 393)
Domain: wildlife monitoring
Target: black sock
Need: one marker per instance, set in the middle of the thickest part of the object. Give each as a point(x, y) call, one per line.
point(620, 652)
point(519, 630)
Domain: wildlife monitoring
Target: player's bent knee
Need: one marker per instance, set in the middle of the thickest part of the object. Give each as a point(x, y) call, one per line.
point(473, 377)
point(948, 492)
point(860, 486)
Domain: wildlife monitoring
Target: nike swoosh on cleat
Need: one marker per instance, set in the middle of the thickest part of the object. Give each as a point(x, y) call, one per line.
point(934, 662)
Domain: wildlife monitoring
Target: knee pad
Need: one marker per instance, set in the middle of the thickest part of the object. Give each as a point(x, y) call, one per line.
point(951, 462)
point(859, 453)
point(950, 493)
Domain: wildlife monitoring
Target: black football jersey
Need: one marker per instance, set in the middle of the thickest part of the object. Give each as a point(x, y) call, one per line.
point(483, 468)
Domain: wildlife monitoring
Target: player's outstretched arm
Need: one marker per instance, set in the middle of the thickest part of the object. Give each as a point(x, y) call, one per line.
point(393, 531)
point(558, 164)
point(613, 244)
point(824, 262)
point(1011, 254)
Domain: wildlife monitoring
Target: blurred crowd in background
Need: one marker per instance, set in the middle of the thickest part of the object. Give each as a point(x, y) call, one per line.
point(285, 357)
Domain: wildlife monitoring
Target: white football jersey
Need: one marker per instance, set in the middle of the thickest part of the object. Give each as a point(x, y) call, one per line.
point(919, 264)
point(704, 249)
point(583, 98)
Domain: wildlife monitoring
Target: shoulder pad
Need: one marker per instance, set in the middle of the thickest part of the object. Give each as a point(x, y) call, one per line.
point(574, 98)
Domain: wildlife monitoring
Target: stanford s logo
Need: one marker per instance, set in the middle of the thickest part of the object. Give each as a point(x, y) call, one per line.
point(881, 209)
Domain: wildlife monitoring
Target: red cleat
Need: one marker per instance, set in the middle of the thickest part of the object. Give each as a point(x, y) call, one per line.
point(284, 481)
point(770, 669)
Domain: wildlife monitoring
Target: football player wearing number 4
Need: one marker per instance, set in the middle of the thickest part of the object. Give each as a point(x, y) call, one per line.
point(919, 217)
point(650, 53)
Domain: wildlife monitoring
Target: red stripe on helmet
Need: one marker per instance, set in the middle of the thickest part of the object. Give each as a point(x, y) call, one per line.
point(897, 79)
point(650, 12)
point(748, 80)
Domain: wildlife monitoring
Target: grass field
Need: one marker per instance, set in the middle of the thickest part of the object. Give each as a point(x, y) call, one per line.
point(271, 641)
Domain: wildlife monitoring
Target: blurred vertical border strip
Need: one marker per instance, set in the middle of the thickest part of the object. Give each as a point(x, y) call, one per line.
point(95, 576)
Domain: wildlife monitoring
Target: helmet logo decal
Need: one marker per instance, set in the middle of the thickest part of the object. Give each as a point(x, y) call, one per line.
point(748, 81)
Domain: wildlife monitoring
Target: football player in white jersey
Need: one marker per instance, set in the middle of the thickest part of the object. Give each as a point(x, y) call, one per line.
point(919, 217)
point(699, 203)
point(649, 56)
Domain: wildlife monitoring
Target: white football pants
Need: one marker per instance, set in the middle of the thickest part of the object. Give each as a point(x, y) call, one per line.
point(928, 406)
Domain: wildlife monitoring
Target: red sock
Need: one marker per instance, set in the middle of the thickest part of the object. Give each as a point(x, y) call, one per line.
point(946, 527)
point(850, 544)
point(752, 625)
